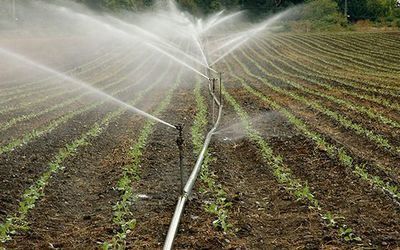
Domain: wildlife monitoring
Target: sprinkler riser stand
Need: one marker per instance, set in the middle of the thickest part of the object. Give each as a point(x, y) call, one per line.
point(180, 142)
point(186, 192)
point(213, 101)
point(220, 88)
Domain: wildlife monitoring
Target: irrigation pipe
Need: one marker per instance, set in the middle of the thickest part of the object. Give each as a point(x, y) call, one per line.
point(173, 228)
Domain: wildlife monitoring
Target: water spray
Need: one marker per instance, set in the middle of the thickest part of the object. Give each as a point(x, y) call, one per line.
point(202, 34)
point(83, 84)
point(162, 42)
point(126, 33)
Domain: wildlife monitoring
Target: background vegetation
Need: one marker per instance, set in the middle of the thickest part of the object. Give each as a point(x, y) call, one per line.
point(316, 14)
point(310, 15)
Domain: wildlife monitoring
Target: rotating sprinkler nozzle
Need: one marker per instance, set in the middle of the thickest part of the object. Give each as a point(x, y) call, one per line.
point(179, 127)
point(179, 143)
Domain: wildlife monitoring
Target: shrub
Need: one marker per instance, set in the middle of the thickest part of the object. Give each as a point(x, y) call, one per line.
point(318, 15)
point(396, 23)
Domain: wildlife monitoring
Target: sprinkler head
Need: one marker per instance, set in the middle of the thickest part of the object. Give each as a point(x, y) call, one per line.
point(179, 127)
point(179, 140)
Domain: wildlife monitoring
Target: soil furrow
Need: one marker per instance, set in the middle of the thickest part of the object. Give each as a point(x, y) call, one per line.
point(370, 214)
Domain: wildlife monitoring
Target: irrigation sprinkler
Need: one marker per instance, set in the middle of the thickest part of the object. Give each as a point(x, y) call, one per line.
point(187, 190)
point(220, 88)
point(179, 143)
point(213, 102)
point(213, 85)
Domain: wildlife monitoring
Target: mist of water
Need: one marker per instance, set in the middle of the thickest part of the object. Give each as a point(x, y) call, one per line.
point(269, 124)
point(80, 84)
point(74, 32)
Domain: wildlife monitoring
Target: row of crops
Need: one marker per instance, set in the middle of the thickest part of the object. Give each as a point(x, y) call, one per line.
point(337, 94)
point(351, 117)
point(114, 82)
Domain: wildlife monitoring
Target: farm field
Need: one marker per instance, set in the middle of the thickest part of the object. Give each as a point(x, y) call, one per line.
point(307, 154)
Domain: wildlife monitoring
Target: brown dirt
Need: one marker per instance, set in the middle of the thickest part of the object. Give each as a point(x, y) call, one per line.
point(366, 210)
point(39, 121)
point(161, 183)
point(77, 207)
point(76, 211)
point(393, 134)
point(325, 125)
point(23, 165)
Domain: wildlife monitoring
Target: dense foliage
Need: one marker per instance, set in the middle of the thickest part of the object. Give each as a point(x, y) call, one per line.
point(357, 9)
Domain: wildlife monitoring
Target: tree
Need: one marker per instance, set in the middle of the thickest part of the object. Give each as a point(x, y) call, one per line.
point(369, 9)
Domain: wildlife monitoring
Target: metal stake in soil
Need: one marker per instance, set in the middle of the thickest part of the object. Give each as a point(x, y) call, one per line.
point(220, 88)
point(179, 142)
point(213, 101)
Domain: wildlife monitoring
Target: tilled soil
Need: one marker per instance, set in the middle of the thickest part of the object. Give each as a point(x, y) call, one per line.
point(21, 167)
point(160, 181)
point(373, 216)
point(25, 164)
point(76, 210)
point(368, 150)
point(386, 130)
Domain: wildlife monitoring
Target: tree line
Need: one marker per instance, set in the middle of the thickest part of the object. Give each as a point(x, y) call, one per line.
point(356, 9)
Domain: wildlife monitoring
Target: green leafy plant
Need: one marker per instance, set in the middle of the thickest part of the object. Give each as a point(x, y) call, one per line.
point(347, 234)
